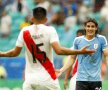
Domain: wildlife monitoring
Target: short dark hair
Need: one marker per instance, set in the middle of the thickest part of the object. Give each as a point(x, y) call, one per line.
point(81, 31)
point(39, 13)
point(92, 20)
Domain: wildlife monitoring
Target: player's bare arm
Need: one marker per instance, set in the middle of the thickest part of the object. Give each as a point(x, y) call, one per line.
point(65, 51)
point(105, 52)
point(67, 74)
point(68, 64)
point(68, 71)
point(11, 53)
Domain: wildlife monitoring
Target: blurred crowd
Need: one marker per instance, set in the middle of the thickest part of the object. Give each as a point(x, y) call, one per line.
point(67, 16)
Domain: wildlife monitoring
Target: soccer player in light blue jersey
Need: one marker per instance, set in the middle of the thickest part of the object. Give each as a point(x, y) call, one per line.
point(89, 66)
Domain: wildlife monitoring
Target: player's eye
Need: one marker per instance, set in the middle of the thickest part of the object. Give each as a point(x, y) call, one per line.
point(88, 25)
point(92, 26)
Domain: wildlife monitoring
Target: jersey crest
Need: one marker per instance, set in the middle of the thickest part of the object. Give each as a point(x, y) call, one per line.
point(95, 46)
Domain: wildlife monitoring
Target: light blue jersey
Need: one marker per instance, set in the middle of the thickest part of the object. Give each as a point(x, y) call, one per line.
point(89, 67)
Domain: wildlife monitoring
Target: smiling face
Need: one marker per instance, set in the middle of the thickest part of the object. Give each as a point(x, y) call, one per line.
point(90, 28)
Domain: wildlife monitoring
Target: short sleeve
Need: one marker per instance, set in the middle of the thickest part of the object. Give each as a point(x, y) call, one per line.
point(75, 44)
point(20, 40)
point(53, 35)
point(104, 43)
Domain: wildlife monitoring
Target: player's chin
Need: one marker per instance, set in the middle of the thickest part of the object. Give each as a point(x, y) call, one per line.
point(90, 34)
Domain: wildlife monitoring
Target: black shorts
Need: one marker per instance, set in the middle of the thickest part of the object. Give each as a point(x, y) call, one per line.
point(88, 85)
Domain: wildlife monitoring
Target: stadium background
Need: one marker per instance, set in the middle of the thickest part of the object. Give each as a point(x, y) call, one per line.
point(67, 16)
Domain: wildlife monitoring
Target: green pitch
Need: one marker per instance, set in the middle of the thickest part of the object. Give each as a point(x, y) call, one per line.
point(12, 84)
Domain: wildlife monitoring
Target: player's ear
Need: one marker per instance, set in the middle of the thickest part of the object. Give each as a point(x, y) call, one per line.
point(46, 19)
point(33, 19)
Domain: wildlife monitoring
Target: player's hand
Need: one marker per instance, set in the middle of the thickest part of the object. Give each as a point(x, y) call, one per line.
point(58, 73)
point(84, 50)
point(65, 84)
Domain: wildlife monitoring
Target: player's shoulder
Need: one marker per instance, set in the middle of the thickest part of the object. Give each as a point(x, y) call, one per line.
point(27, 28)
point(101, 37)
point(80, 37)
point(49, 29)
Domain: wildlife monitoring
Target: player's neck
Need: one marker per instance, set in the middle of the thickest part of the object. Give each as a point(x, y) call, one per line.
point(90, 37)
point(36, 23)
point(40, 21)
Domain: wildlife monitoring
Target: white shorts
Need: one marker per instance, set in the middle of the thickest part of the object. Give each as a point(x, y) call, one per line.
point(38, 85)
point(72, 85)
